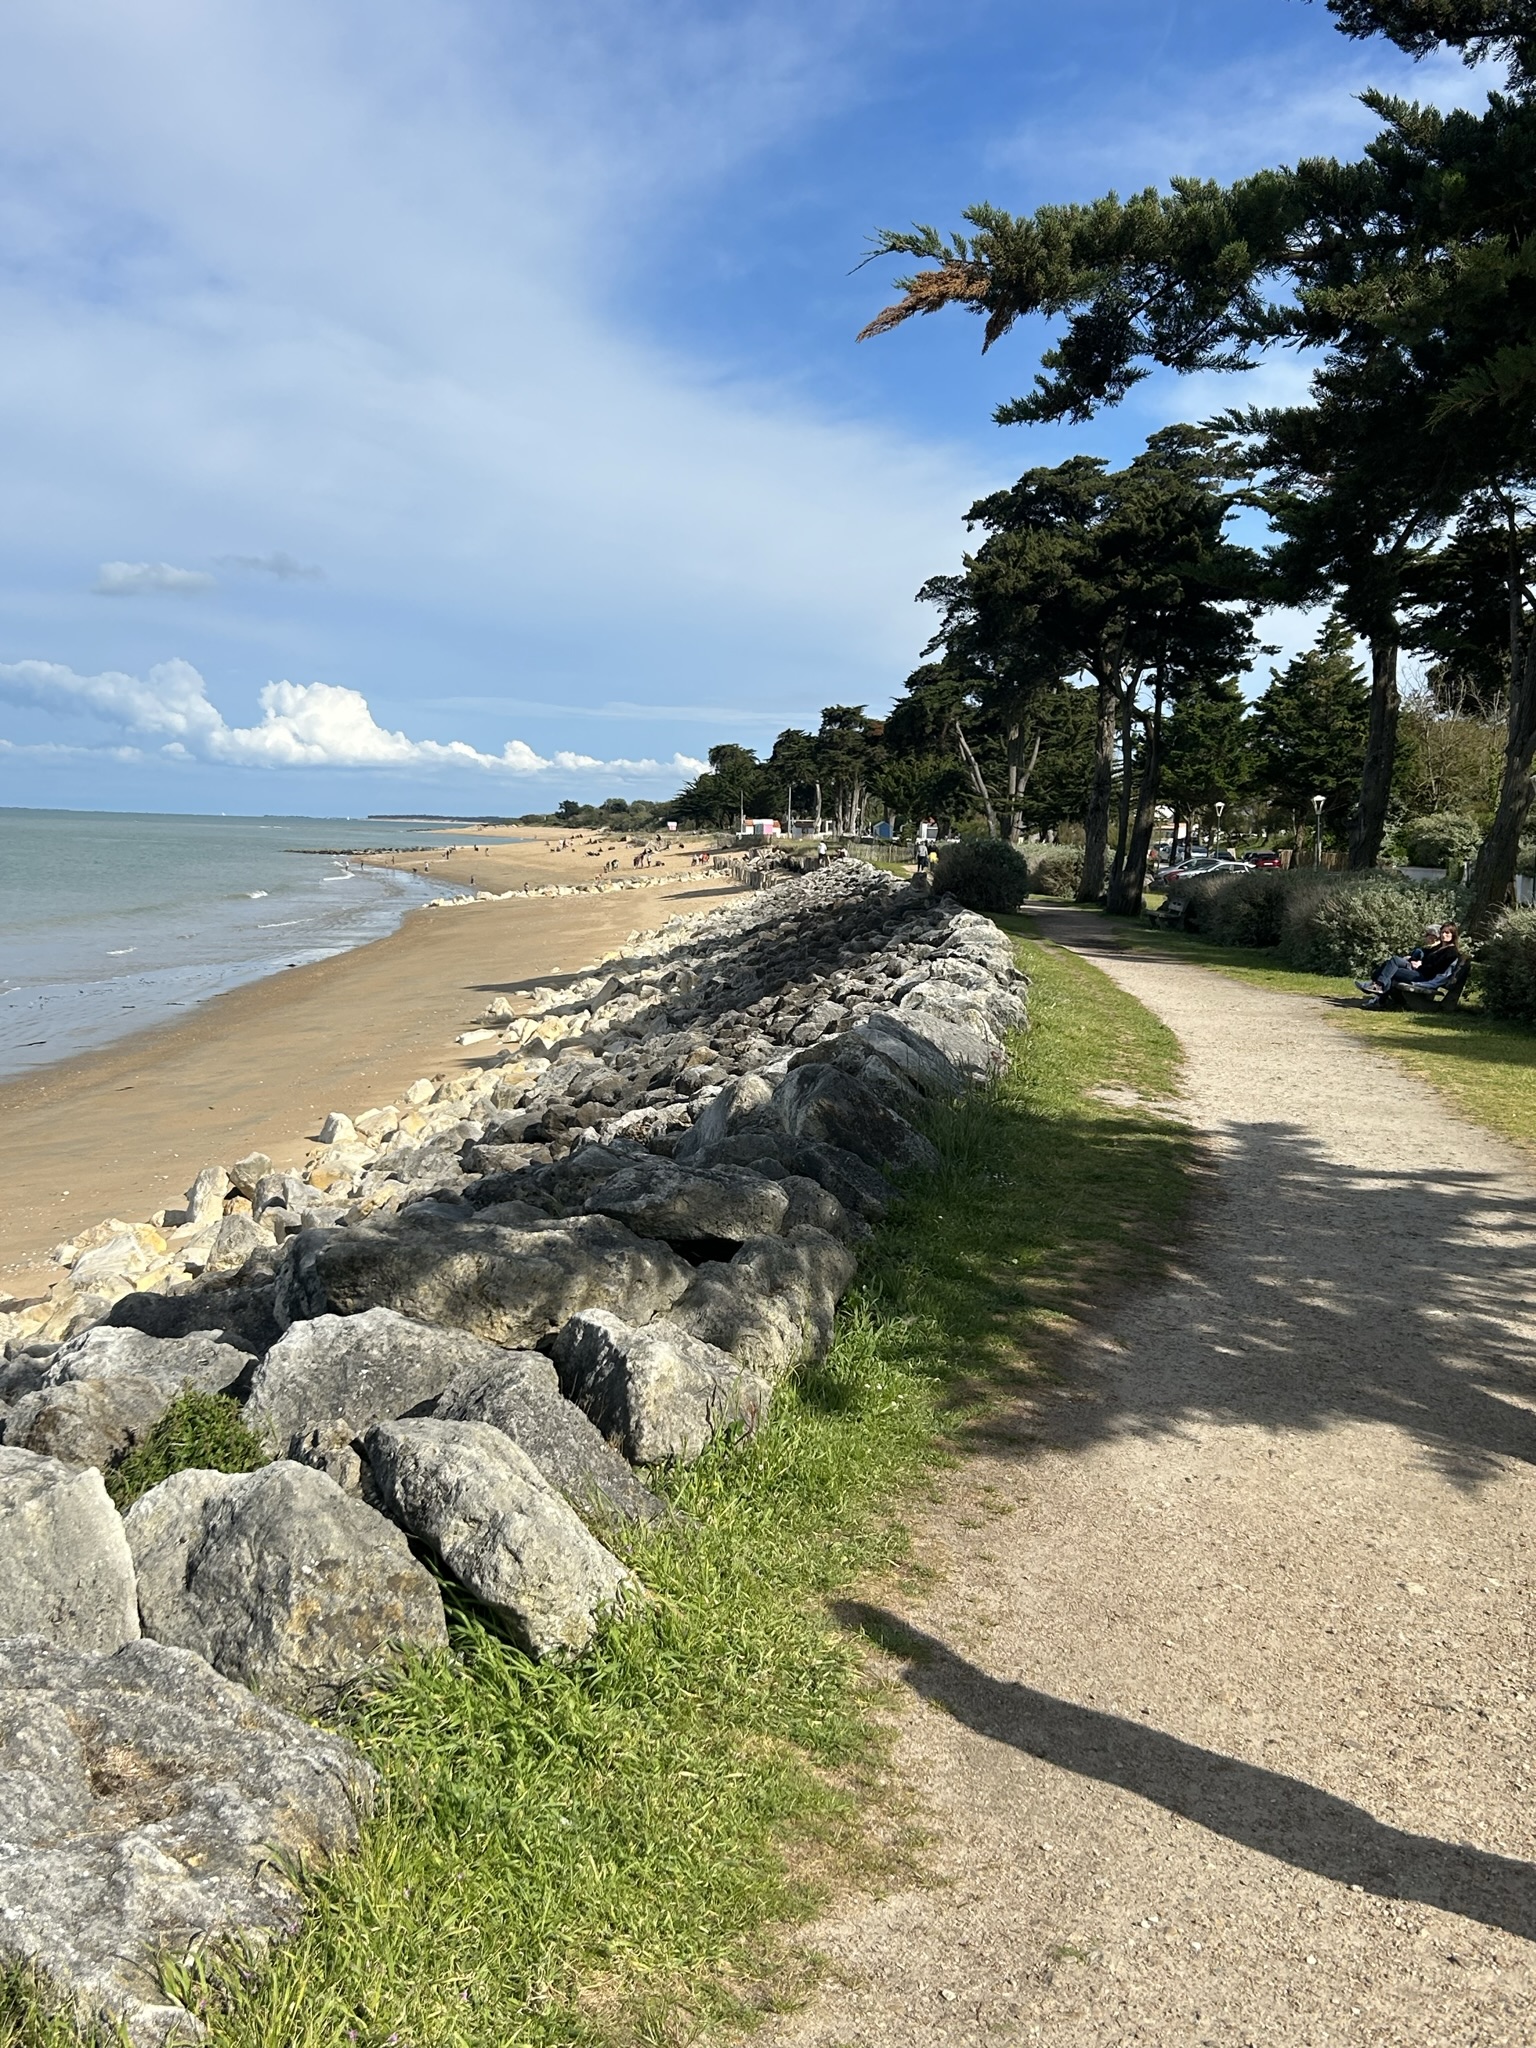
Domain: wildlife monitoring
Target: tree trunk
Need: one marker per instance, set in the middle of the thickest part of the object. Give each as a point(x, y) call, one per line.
point(1369, 823)
point(980, 781)
point(818, 810)
point(1019, 772)
point(1096, 817)
point(1500, 851)
point(1123, 829)
point(1126, 890)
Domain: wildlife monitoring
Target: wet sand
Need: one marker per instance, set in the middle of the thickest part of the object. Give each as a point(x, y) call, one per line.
point(122, 1132)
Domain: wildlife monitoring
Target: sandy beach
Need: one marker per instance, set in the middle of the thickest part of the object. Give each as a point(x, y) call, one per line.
point(122, 1132)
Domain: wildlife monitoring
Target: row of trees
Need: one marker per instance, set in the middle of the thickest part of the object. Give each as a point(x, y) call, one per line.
point(1400, 495)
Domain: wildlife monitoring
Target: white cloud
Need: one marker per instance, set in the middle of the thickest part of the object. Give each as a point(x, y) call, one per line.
point(128, 579)
point(303, 725)
point(286, 568)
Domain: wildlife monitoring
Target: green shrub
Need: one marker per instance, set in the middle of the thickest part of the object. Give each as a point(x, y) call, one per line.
point(1443, 840)
point(1326, 923)
point(1056, 871)
point(1352, 923)
point(1236, 910)
point(1506, 967)
point(198, 1432)
point(983, 874)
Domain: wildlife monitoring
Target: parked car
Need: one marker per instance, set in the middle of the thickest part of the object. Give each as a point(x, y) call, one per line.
point(1266, 857)
point(1203, 864)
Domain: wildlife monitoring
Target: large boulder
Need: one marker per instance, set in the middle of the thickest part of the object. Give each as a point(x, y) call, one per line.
point(773, 1305)
point(521, 1397)
point(720, 1205)
point(511, 1286)
point(662, 1395)
point(146, 1806)
point(498, 1526)
point(278, 1579)
point(242, 1312)
point(829, 1107)
point(88, 1422)
point(856, 1184)
point(739, 1104)
point(357, 1369)
point(68, 1574)
point(201, 1359)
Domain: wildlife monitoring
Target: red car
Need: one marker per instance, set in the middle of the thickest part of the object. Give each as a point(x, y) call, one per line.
point(1266, 857)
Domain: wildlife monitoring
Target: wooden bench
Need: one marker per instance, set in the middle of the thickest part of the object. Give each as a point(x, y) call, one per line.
point(1444, 995)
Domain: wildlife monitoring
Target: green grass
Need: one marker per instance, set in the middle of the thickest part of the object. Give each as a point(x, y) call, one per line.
point(603, 1853)
point(197, 1431)
point(1485, 1067)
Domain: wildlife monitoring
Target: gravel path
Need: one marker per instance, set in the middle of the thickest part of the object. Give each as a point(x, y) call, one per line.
point(1221, 1706)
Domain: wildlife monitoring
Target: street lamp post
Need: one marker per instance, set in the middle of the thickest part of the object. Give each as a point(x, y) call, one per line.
point(1317, 813)
point(1220, 807)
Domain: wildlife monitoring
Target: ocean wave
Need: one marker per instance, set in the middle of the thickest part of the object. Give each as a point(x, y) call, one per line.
point(122, 952)
point(255, 895)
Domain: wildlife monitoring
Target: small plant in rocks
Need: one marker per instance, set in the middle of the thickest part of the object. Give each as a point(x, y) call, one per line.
point(198, 1432)
point(983, 874)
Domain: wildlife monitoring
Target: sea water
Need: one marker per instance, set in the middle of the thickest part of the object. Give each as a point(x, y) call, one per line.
point(111, 921)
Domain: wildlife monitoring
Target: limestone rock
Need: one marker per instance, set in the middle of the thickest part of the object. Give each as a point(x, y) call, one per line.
point(771, 1306)
point(246, 1172)
point(88, 1422)
point(735, 1107)
point(201, 1359)
point(499, 1528)
point(522, 1398)
point(146, 1805)
point(726, 1204)
point(205, 1197)
point(357, 1369)
point(278, 1579)
point(509, 1286)
point(826, 1106)
point(68, 1575)
point(662, 1395)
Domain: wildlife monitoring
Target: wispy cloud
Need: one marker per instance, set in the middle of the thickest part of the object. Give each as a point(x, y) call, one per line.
point(132, 579)
point(286, 568)
point(303, 725)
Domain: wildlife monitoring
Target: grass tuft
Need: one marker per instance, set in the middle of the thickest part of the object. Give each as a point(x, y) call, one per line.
point(198, 1432)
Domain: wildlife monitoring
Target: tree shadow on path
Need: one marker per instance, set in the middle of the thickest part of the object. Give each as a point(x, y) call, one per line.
point(1279, 1816)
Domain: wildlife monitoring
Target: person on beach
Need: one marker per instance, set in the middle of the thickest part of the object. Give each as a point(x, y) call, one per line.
point(924, 855)
point(1435, 955)
point(821, 853)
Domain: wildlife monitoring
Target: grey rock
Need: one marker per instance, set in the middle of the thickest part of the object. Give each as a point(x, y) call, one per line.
point(282, 1191)
point(813, 1207)
point(509, 1286)
point(857, 1185)
point(146, 1806)
point(357, 1369)
point(938, 1056)
point(522, 1399)
point(663, 1199)
point(242, 1313)
point(246, 1172)
point(278, 1579)
point(201, 1360)
point(88, 1422)
point(335, 1449)
point(233, 1243)
point(205, 1197)
point(829, 1107)
point(736, 1106)
point(499, 1527)
point(662, 1395)
point(68, 1574)
point(773, 1305)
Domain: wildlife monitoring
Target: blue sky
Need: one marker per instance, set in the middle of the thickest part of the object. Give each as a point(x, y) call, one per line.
point(456, 407)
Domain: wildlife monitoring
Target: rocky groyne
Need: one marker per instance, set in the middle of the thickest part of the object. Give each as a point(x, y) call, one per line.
point(466, 1333)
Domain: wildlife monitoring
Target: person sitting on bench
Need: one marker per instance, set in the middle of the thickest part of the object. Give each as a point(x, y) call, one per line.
point(1427, 967)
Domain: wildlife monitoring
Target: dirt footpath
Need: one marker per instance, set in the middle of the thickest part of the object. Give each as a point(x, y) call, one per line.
point(1225, 1732)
